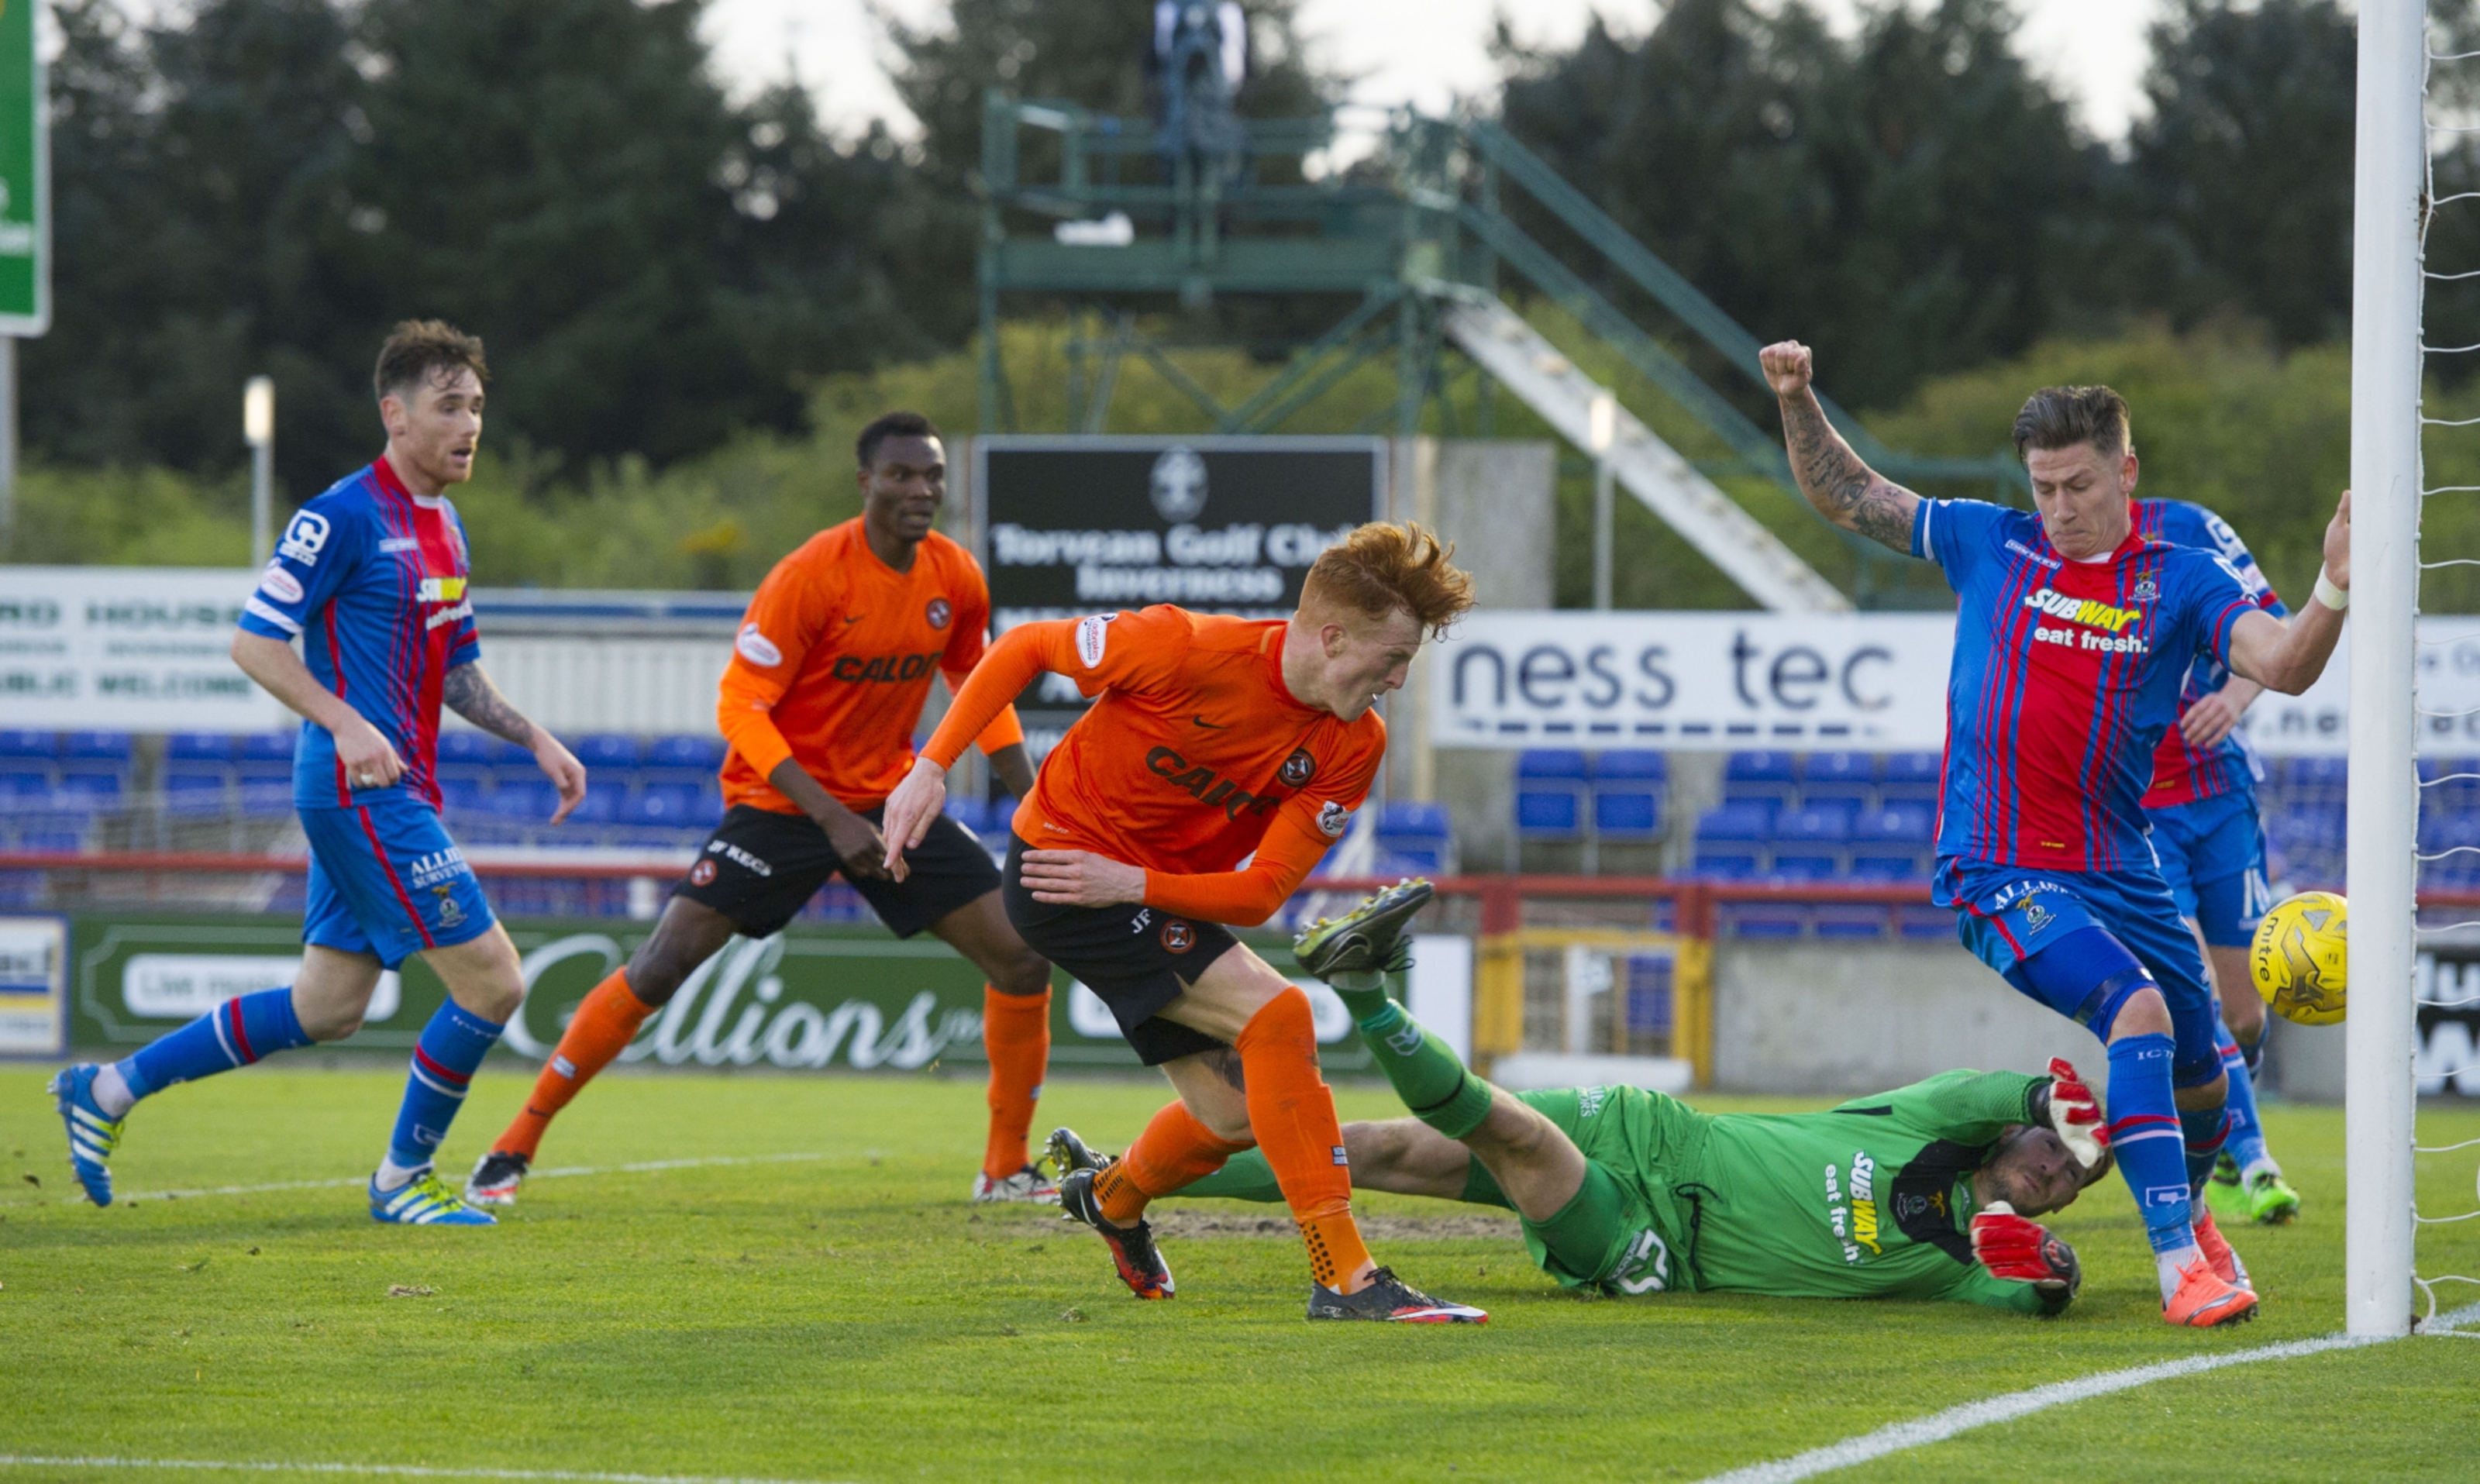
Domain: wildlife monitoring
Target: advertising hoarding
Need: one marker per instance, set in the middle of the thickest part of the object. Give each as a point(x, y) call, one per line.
point(128, 649)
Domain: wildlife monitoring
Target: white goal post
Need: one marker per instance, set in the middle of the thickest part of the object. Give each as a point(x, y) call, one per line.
point(2385, 291)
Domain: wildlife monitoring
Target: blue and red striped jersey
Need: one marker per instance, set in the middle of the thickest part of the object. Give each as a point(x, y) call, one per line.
point(2182, 774)
point(2065, 676)
point(371, 578)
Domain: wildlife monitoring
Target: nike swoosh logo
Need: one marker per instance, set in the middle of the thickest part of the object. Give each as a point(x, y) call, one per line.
point(1211, 726)
point(856, 618)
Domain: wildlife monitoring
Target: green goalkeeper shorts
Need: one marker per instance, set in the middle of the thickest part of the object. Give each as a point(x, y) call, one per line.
point(1627, 1229)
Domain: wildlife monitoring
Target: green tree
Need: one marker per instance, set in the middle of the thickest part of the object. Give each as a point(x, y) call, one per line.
point(1911, 200)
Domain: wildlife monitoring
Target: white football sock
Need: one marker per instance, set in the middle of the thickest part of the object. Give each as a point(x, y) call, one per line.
point(112, 1091)
point(2168, 1265)
point(393, 1176)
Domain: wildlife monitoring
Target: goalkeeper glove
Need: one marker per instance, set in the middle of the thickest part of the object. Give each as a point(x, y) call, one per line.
point(2076, 1113)
point(2024, 1251)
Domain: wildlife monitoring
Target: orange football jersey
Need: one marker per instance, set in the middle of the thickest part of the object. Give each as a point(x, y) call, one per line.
point(1195, 756)
point(834, 662)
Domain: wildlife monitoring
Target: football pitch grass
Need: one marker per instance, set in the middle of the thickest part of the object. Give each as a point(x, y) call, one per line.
point(833, 1309)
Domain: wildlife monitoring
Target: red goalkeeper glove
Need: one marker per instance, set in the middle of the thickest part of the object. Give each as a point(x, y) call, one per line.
point(2024, 1251)
point(2076, 1113)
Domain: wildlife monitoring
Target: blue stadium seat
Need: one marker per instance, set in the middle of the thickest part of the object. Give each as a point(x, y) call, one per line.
point(1629, 793)
point(1841, 776)
point(16, 742)
point(97, 746)
point(1892, 844)
point(1909, 778)
point(463, 795)
point(1550, 788)
point(2307, 826)
point(90, 792)
point(1003, 816)
point(52, 840)
point(196, 785)
point(271, 746)
point(968, 811)
point(463, 748)
point(1847, 921)
point(2317, 780)
point(198, 747)
point(1808, 844)
point(23, 776)
point(606, 750)
point(526, 802)
point(505, 753)
point(1773, 775)
point(673, 805)
point(1415, 836)
point(689, 754)
point(1729, 840)
point(602, 804)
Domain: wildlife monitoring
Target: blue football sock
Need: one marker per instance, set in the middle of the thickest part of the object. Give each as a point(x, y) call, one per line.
point(2246, 1144)
point(452, 1046)
point(2206, 1130)
point(234, 1034)
point(2145, 1134)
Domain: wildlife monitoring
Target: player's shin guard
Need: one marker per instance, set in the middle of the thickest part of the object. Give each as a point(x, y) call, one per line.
point(2246, 1134)
point(452, 1047)
point(1016, 1035)
point(605, 1022)
point(234, 1034)
point(1292, 1113)
point(1173, 1151)
point(2146, 1134)
point(1425, 1072)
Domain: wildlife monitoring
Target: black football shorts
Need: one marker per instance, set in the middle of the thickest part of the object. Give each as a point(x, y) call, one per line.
point(759, 867)
point(1132, 958)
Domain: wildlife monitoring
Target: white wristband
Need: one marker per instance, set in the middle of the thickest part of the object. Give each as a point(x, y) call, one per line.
point(2335, 597)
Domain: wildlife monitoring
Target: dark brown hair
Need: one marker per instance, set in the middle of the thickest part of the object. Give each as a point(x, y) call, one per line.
point(422, 349)
point(1382, 567)
point(891, 424)
point(2063, 417)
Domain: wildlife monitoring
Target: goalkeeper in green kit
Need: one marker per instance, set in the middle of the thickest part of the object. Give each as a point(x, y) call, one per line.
point(1926, 1192)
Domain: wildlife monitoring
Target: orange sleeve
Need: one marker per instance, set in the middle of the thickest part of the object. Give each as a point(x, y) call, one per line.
point(1004, 729)
point(1006, 668)
point(775, 637)
point(1293, 847)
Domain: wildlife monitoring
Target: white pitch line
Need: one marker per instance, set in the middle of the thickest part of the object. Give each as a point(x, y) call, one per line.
point(642, 1167)
point(389, 1470)
point(1940, 1427)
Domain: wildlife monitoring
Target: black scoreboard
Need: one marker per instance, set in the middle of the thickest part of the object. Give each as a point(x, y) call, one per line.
point(1220, 525)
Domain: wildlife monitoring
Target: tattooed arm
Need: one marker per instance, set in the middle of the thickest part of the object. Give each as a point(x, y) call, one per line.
point(469, 693)
point(1844, 490)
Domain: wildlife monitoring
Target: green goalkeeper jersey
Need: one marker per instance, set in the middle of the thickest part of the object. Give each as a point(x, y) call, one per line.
point(1868, 1200)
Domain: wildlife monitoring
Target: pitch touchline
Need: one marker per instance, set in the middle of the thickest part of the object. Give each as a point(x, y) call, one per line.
point(1940, 1427)
point(639, 1168)
point(393, 1470)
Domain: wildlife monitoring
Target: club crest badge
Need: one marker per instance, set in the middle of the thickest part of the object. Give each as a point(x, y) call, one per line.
point(1297, 769)
point(939, 613)
point(702, 873)
point(451, 916)
point(1179, 936)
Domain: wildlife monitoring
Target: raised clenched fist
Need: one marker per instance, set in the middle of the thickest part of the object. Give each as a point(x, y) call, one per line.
point(1788, 366)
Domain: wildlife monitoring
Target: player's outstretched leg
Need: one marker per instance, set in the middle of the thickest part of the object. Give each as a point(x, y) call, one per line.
point(1130, 1237)
point(94, 1100)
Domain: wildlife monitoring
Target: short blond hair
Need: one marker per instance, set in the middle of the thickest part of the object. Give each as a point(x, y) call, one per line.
point(1382, 567)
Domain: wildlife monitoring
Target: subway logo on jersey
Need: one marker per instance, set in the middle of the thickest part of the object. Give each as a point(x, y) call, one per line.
point(1205, 786)
point(441, 590)
point(2090, 611)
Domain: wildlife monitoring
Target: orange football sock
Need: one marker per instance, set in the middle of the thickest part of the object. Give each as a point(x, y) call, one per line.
point(1292, 1113)
point(602, 1027)
point(1173, 1150)
point(1016, 1033)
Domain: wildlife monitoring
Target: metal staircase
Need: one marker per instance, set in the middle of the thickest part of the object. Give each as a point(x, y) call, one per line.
point(1414, 253)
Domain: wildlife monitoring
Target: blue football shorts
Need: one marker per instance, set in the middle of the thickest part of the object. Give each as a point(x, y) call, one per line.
point(2213, 855)
point(385, 880)
point(2006, 914)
